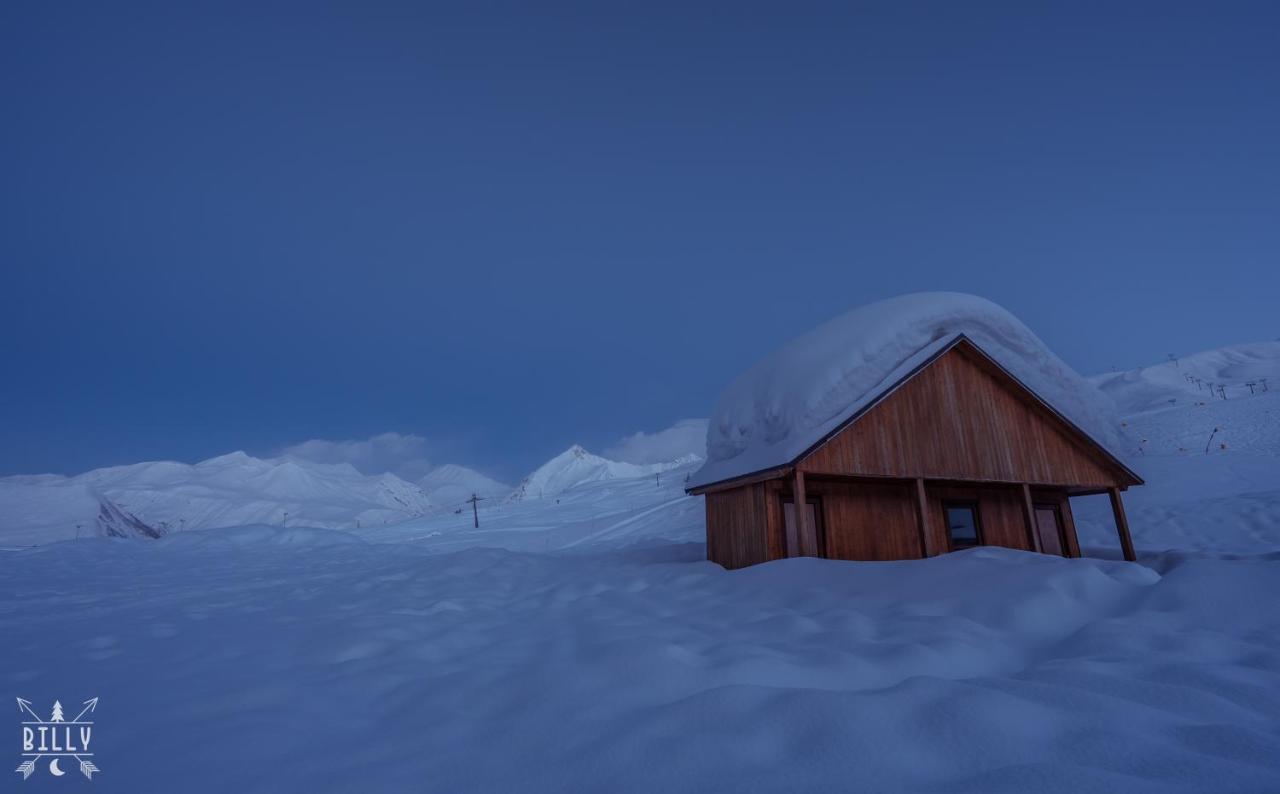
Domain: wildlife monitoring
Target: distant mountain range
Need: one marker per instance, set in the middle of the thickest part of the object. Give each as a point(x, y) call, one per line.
point(158, 498)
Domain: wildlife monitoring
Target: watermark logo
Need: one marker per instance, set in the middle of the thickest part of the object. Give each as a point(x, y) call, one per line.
point(57, 739)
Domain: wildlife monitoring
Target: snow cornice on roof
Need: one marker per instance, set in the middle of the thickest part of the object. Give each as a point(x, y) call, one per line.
point(716, 473)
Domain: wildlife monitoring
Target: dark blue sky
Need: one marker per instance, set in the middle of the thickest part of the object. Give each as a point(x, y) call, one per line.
point(511, 227)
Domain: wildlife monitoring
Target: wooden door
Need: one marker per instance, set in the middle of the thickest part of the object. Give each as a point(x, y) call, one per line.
point(1049, 527)
point(813, 516)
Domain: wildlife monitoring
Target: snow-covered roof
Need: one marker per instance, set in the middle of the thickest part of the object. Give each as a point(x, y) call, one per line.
point(797, 396)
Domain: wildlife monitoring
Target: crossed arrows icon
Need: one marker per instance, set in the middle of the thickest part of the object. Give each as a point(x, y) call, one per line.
point(87, 767)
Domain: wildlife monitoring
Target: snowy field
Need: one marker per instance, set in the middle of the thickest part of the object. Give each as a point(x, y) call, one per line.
point(579, 642)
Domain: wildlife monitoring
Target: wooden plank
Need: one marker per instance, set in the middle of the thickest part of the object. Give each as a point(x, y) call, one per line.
point(808, 542)
point(1069, 527)
point(775, 524)
point(1029, 515)
point(922, 521)
point(1122, 525)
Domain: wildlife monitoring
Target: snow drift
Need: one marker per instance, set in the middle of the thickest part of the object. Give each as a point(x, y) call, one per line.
point(791, 399)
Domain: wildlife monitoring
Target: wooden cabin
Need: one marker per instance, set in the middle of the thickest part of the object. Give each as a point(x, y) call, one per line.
point(956, 453)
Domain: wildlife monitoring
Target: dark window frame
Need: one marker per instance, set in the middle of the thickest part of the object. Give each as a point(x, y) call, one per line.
point(973, 507)
point(820, 528)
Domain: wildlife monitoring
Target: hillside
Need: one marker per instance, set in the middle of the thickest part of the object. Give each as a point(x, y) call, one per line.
point(451, 484)
point(1212, 464)
point(1242, 370)
point(41, 509)
point(575, 466)
point(228, 490)
point(237, 489)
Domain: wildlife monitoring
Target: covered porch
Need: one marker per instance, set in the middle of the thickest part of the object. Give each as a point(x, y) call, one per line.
point(869, 517)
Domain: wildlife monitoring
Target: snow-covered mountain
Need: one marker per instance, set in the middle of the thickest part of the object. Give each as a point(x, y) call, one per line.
point(46, 508)
point(162, 497)
point(575, 466)
point(451, 484)
point(229, 490)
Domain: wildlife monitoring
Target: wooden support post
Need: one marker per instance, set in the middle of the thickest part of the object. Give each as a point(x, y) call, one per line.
point(804, 533)
point(1122, 525)
point(922, 519)
point(1029, 516)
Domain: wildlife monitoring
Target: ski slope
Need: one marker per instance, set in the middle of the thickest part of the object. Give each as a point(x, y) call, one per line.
point(1212, 465)
point(648, 506)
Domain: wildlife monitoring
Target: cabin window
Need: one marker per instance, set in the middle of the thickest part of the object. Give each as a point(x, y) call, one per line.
point(962, 525)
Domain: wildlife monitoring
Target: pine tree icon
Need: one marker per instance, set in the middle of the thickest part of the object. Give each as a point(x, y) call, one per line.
point(57, 712)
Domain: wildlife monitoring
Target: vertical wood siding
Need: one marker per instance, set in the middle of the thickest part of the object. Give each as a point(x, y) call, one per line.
point(999, 514)
point(868, 521)
point(737, 526)
point(957, 419)
point(775, 531)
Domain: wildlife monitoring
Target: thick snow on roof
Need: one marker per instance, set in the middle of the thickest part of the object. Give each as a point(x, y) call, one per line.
point(789, 401)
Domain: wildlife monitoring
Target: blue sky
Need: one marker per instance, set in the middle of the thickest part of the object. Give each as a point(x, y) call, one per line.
point(504, 228)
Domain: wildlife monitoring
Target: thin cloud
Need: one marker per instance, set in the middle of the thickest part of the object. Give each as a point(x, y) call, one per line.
point(404, 455)
point(686, 437)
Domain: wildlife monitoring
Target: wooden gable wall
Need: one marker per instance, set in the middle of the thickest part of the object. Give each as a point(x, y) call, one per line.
point(961, 419)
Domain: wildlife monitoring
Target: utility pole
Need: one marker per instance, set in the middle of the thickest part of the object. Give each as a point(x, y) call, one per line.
point(475, 516)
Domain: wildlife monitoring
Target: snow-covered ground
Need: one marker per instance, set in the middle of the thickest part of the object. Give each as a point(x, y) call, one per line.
point(268, 659)
point(578, 641)
point(1212, 465)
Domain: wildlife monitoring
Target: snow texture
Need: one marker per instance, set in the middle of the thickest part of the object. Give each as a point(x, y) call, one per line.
point(583, 643)
point(452, 484)
point(790, 400)
point(42, 510)
point(575, 466)
point(228, 490)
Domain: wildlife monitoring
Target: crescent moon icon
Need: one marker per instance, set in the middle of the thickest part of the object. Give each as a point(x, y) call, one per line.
point(53, 768)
